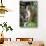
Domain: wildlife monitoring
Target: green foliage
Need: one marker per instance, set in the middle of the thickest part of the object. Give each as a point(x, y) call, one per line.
point(7, 27)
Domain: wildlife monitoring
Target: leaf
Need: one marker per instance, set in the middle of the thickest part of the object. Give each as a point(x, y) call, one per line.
point(0, 24)
point(11, 29)
point(7, 29)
